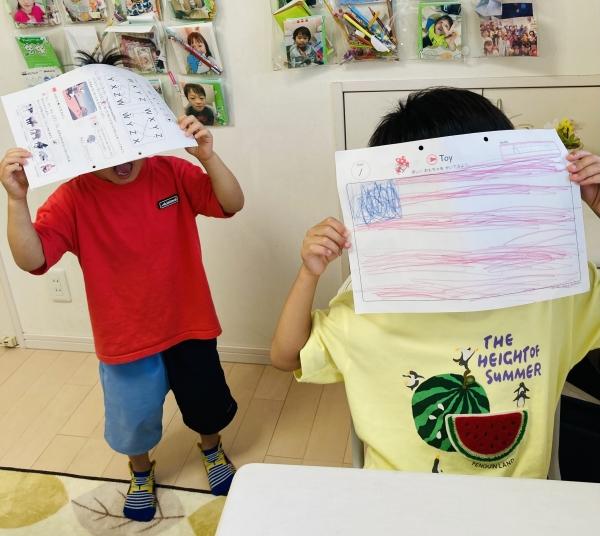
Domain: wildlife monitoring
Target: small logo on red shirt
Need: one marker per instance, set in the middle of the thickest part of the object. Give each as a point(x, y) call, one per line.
point(167, 202)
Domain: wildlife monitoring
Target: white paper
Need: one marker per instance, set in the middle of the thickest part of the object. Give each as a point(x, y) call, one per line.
point(94, 117)
point(461, 223)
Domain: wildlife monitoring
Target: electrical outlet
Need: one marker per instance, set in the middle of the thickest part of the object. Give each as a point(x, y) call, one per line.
point(9, 342)
point(58, 286)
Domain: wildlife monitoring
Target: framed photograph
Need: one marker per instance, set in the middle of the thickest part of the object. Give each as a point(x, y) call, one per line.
point(514, 33)
point(440, 31)
point(194, 9)
point(28, 13)
point(304, 41)
point(198, 38)
point(85, 10)
point(205, 99)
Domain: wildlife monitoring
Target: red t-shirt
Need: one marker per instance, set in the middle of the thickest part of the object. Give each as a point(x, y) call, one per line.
point(139, 250)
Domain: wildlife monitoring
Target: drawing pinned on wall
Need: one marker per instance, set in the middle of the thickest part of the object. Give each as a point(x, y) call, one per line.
point(94, 117)
point(514, 32)
point(30, 13)
point(440, 31)
point(460, 229)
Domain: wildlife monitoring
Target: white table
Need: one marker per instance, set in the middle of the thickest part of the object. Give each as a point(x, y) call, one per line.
point(289, 500)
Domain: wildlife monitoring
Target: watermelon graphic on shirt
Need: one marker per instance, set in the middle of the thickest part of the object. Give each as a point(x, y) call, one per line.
point(487, 438)
point(442, 395)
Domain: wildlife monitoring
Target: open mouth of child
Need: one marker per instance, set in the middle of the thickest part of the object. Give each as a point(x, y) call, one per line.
point(123, 170)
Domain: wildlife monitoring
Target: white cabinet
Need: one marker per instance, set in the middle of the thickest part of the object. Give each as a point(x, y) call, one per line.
point(539, 107)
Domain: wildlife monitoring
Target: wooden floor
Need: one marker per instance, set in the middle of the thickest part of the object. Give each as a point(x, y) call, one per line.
point(52, 418)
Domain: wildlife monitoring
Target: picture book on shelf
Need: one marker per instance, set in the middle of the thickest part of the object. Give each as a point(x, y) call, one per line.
point(194, 9)
point(27, 13)
point(37, 51)
point(195, 47)
point(142, 45)
point(205, 100)
point(305, 41)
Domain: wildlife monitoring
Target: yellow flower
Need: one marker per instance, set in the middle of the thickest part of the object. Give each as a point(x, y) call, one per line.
point(566, 132)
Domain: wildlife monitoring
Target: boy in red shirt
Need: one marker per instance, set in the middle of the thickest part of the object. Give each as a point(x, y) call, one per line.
point(133, 230)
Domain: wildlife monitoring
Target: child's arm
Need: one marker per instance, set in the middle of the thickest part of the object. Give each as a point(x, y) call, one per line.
point(224, 184)
point(23, 239)
point(322, 244)
point(584, 169)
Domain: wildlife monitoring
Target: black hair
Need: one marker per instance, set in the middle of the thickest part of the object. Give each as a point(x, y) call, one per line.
point(436, 113)
point(301, 30)
point(196, 88)
point(445, 17)
point(112, 57)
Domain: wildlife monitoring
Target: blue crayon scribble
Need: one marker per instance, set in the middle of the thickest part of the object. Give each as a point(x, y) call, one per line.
point(378, 201)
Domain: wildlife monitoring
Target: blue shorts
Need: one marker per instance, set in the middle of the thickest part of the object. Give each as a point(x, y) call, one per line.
point(134, 394)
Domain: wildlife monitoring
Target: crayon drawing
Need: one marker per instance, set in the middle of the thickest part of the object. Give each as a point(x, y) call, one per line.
point(456, 234)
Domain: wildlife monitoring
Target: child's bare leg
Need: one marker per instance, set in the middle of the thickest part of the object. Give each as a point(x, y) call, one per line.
point(140, 462)
point(208, 441)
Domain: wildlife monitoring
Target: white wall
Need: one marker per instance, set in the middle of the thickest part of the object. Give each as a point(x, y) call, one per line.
point(281, 149)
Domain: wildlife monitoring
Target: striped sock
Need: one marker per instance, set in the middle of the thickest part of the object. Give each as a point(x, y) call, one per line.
point(140, 502)
point(219, 469)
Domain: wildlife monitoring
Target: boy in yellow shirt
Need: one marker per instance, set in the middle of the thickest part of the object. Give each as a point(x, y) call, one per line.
point(470, 393)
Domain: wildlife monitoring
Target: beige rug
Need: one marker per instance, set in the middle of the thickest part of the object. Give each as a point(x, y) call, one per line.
point(43, 503)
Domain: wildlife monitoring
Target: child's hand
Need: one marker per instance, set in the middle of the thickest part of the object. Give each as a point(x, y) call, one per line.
point(584, 169)
point(322, 244)
point(192, 127)
point(11, 173)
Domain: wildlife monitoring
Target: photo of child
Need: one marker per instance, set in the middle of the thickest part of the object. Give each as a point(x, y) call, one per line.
point(303, 41)
point(29, 12)
point(513, 34)
point(201, 38)
point(441, 37)
point(193, 9)
point(199, 44)
point(79, 101)
point(198, 103)
point(126, 9)
point(205, 101)
point(85, 10)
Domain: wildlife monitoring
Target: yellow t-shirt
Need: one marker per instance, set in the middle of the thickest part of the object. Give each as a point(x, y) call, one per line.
point(406, 373)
